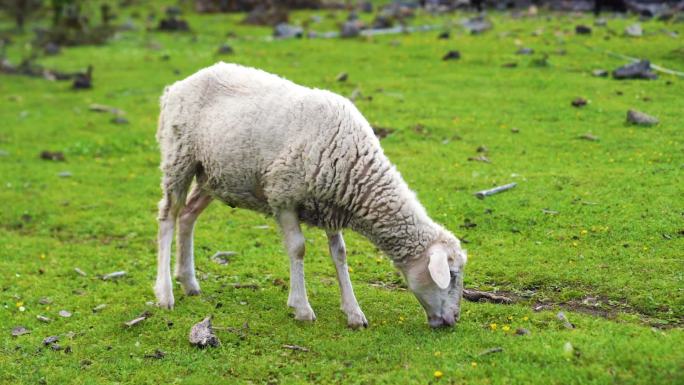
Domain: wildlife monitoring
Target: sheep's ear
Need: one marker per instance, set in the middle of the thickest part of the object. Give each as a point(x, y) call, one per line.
point(439, 267)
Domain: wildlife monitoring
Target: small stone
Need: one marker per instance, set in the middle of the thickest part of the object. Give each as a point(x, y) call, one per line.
point(223, 257)
point(45, 301)
point(522, 332)
point(599, 73)
point(515, 130)
point(52, 155)
point(634, 30)
point(80, 272)
point(640, 118)
point(20, 330)
point(582, 30)
point(202, 335)
point(65, 174)
point(56, 347)
point(287, 31)
point(476, 25)
point(225, 49)
point(590, 137)
point(157, 355)
point(50, 340)
point(43, 318)
point(637, 70)
point(342, 77)
point(601, 22)
point(119, 120)
point(579, 102)
point(351, 28)
point(524, 51)
point(480, 158)
point(482, 149)
point(51, 49)
point(99, 308)
point(452, 55)
point(561, 317)
point(116, 274)
point(64, 313)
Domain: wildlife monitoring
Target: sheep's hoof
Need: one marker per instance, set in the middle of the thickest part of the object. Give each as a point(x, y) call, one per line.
point(192, 292)
point(305, 314)
point(165, 298)
point(356, 320)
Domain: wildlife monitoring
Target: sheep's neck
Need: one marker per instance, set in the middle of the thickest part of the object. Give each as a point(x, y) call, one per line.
point(396, 223)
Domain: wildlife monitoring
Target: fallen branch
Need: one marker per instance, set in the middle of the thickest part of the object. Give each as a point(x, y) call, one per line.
point(485, 193)
point(484, 296)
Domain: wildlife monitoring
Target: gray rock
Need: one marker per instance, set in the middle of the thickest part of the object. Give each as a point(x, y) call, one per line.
point(599, 73)
point(640, 118)
point(65, 174)
point(202, 334)
point(524, 51)
point(636, 70)
point(287, 31)
point(476, 25)
point(351, 29)
point(50, 340)
point(634, 30)
point(225, 49)
point(119, 120)
point(20, 330)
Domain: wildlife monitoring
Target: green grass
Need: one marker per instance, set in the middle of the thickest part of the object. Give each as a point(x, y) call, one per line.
point(617, 236)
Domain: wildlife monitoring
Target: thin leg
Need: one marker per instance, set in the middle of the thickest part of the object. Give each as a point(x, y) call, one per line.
point(197, 201)
point(349, 305)
point(294, 243)
point(168, 211)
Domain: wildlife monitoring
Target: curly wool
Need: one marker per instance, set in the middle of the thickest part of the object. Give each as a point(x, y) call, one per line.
point(258, 141)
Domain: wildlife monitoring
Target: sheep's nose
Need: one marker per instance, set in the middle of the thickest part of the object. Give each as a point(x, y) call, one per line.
point(441, 321)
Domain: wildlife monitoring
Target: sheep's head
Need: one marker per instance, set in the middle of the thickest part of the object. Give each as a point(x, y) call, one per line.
point(436, 279)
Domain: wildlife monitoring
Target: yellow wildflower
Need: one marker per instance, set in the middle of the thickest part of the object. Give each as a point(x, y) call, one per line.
point(438, 374)
point(492, 326)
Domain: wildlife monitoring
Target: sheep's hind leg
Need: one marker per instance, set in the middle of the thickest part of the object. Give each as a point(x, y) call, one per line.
point(349, 305)
point(294, 243)
point(169, 207)
point(184, 273)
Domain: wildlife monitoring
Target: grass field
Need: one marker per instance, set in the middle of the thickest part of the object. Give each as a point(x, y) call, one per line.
point(607, 250)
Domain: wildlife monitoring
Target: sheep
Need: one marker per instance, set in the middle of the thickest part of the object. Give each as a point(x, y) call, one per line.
point(257, 141)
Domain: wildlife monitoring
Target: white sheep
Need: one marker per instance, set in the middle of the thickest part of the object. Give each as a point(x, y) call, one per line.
point(257, 141)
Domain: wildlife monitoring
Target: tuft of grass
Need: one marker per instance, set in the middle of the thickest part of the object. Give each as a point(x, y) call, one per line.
point(608, 250)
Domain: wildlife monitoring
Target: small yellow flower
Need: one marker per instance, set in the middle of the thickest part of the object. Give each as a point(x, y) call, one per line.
point(525, 318)
point(438, 354)
point(42, 255)
point(19, 304)
point(506, 328)
point(492, 326)
point(401, 318)
point(438, 374)
point(575, 243)
point(510, 317)
point(350, 269)
point(473, 364)
point(583, 232)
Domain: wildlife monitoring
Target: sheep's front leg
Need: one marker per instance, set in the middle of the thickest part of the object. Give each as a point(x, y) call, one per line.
point(294, 243)
point(197, 201)
point(349, 305)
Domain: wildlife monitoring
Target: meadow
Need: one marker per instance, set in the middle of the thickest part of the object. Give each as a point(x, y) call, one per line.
point(594, 228)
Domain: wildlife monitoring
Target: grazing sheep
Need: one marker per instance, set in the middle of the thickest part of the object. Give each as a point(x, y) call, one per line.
point(254, 140)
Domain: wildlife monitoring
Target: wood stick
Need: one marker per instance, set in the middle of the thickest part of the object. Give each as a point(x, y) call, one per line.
point(485, 193)
point(479, 296)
